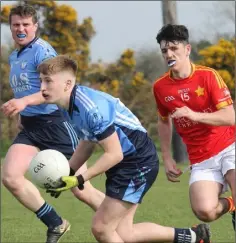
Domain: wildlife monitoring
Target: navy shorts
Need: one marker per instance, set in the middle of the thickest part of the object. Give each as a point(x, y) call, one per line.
point(51, 131)
point(131, 179)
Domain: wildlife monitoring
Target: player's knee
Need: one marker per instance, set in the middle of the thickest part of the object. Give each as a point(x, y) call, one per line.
point(11, 183)
point(99, 229)
point(207, 214)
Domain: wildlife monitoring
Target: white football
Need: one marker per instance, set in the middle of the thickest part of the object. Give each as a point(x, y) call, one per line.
point(47, 167)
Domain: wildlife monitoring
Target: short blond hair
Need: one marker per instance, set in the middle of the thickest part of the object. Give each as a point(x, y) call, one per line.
point(58, 64)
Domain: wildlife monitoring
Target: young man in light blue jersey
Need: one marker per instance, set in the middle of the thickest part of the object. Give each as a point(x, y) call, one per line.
point(129, 160)
point(44, 126)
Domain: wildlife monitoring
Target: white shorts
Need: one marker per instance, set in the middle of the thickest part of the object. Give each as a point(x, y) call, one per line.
point(214, 168)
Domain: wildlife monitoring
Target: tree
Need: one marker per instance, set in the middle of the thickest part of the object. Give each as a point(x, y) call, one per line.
point(196, 47)
point(169, 12)
point(150, 63)
point(8, 127)
point(221, 57)
point(110, 77)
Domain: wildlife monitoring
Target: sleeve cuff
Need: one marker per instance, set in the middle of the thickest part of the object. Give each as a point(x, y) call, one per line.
point(109, 131)
point(223, 104)
point(164, 118)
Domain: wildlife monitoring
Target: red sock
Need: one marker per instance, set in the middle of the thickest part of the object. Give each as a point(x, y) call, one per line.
point(231, 204)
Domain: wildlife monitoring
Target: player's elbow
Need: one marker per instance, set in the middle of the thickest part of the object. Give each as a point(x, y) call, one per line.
point(226, 121)
point(231, 121)
point(119, 156)
point(162, 125)
point(114, 157)
point(229, 115)
point(230, 118)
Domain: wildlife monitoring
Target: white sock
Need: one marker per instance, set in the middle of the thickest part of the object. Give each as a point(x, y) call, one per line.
point(193, 236)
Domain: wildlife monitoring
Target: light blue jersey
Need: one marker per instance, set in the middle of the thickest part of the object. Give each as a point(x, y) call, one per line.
point(97, 115)
point(24, 78)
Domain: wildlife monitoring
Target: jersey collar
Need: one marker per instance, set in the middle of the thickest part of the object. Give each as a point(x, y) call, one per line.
point(29, 45)
point(184, 79)
point(72, 99)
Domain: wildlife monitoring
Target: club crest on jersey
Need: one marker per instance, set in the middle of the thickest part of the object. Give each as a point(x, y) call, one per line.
point(199, 91)
point(23, 65)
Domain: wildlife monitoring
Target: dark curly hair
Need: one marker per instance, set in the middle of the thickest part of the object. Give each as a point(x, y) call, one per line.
point(173, 33)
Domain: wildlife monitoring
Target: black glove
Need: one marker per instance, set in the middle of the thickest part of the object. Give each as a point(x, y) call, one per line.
point(54, 194)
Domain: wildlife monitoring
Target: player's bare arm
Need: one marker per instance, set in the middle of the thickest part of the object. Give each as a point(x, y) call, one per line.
point(81, 154)
point(223, 117)
point(14, 106)
point(34, 99)
point(164, 128)
point(112, 155)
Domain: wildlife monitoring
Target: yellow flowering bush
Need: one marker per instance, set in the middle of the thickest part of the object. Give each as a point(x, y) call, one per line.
point(65, 13)
point(138, 79)
point(5, 11)
point(221, 57)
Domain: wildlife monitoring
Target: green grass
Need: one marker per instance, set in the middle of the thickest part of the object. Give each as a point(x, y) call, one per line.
point(166, 203)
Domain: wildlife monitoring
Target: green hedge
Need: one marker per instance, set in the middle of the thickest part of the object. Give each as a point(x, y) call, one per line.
point(5, 144)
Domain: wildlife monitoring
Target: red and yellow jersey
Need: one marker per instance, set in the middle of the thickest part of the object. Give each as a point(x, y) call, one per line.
point(203, 91)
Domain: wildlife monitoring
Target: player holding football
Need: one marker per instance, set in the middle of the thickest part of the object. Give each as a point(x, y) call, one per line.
point(129, 160)
point(198, 101)
point(44, 126)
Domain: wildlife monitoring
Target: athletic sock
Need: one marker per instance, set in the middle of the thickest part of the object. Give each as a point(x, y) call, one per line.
point(184, 236)
point(49, 216)
point(231, 204)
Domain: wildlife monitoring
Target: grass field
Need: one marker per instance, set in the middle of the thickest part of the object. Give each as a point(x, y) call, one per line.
point(166, 203)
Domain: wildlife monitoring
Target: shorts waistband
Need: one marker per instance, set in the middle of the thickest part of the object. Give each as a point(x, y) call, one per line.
point(42, 120)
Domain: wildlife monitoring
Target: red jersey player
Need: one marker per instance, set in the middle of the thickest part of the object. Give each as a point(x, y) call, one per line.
point(199, 103)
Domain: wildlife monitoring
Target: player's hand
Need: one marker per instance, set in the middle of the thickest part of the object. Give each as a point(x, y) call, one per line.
point(68, 182)
point(185, 112)
point(13, 107)
point(172, 172)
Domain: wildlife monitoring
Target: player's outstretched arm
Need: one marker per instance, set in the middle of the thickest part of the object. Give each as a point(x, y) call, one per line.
point(112, 155)
point(15, 106)
point(81, 154)
point(34, 99)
